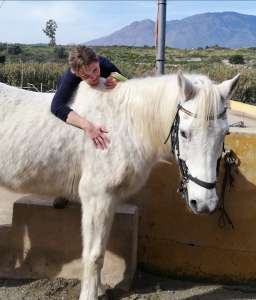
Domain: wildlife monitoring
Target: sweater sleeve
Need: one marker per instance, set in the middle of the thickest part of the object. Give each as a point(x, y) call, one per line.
point(107, 67)
point(68, 84)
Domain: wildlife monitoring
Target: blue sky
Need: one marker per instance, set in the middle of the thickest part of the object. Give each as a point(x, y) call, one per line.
point(80, 21)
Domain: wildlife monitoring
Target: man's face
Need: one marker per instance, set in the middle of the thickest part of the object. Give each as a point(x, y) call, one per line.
point(90, 73)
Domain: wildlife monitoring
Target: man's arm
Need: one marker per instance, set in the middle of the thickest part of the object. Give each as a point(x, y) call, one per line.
point(107, 67)
point(76, 120)
point(60, 109)
point(69, 83)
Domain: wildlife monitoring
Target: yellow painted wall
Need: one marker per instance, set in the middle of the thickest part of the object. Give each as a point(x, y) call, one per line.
point(243, 108)
point(174, 241)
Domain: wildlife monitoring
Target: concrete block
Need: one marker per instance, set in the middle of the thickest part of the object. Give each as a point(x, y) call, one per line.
point(45, 242)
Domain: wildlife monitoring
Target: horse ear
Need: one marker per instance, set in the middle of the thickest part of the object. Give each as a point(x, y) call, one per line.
point(186, 86)
point(228, 87)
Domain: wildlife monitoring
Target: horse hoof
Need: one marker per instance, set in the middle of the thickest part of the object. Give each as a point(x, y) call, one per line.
point(60, 202)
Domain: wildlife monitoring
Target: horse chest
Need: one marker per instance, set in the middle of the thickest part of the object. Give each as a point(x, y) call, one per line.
point(130, 180)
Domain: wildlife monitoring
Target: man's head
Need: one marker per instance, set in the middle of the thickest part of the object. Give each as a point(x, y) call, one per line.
point(84, 62)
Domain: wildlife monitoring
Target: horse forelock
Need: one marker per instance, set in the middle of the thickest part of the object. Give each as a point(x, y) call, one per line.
point(208, 104)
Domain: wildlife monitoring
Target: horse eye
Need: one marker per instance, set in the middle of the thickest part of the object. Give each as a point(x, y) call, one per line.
point(183, 134)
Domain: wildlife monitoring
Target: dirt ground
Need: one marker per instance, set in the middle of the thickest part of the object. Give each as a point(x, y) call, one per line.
point(146, 286)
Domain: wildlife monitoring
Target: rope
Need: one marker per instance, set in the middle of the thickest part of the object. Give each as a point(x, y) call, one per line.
point(230, 161)
point(238, 124)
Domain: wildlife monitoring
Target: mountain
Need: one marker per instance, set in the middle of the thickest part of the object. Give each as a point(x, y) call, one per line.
point(136, 34)
point(226, 29)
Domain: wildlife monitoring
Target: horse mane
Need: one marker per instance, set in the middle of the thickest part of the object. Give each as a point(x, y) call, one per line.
point(153, 102)
point(149, 104)
point(158, 89)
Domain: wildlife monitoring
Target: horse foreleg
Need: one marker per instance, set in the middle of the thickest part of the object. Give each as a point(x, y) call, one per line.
point(97, 217)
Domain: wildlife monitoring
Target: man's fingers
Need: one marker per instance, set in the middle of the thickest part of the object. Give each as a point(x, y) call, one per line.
point(98, 143)
point(103, 129)
point(110, 86)
point(104, 137)
point(95, 143)
point(110, 80)
point(110, 83)
point(102, 142)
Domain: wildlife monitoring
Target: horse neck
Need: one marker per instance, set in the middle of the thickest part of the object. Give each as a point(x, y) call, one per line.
point(151, 109)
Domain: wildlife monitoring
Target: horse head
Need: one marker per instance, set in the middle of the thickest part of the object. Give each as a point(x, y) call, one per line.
point(197, 137)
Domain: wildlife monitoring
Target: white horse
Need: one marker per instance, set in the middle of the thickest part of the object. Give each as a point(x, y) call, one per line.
point(41, 154)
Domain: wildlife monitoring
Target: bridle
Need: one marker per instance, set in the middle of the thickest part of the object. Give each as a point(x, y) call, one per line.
point(185, 174)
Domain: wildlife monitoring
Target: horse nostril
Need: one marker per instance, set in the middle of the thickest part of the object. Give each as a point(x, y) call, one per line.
point(193, 204)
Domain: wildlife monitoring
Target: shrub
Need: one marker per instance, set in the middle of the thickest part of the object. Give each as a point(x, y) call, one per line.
point(236, 59)
point(61, 52)
point(37, 74)
point(3, 46)
point(14, 49)
point(2, 59)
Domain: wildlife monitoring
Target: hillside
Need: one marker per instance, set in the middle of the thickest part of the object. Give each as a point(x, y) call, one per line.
point(227, 29)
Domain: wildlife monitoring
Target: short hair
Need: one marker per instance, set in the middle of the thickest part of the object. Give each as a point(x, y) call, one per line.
point(81, 56)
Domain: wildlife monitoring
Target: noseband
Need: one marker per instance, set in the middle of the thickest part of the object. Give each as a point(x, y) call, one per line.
point(185, 174)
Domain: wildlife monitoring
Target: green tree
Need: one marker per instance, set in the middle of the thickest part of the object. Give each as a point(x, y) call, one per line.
point(50, 31)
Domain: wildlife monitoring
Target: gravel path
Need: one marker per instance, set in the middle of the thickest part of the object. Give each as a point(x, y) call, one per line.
point(146, 286)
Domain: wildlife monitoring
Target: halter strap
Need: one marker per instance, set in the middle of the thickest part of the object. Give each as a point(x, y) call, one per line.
point(186, 176)
point(219, 116)
point(189, 113)
point(207, 185)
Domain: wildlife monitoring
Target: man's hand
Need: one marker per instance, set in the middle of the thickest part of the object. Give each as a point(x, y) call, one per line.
point(97, 135)
point(110, 82)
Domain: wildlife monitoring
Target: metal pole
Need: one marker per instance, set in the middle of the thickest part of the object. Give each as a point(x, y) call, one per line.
point(161, 25)
point(22, 74)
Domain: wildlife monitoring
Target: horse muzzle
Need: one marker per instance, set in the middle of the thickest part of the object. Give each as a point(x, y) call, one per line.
point(203, 206)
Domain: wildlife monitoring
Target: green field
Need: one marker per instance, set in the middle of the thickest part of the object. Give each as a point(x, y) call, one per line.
point(40, 67)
